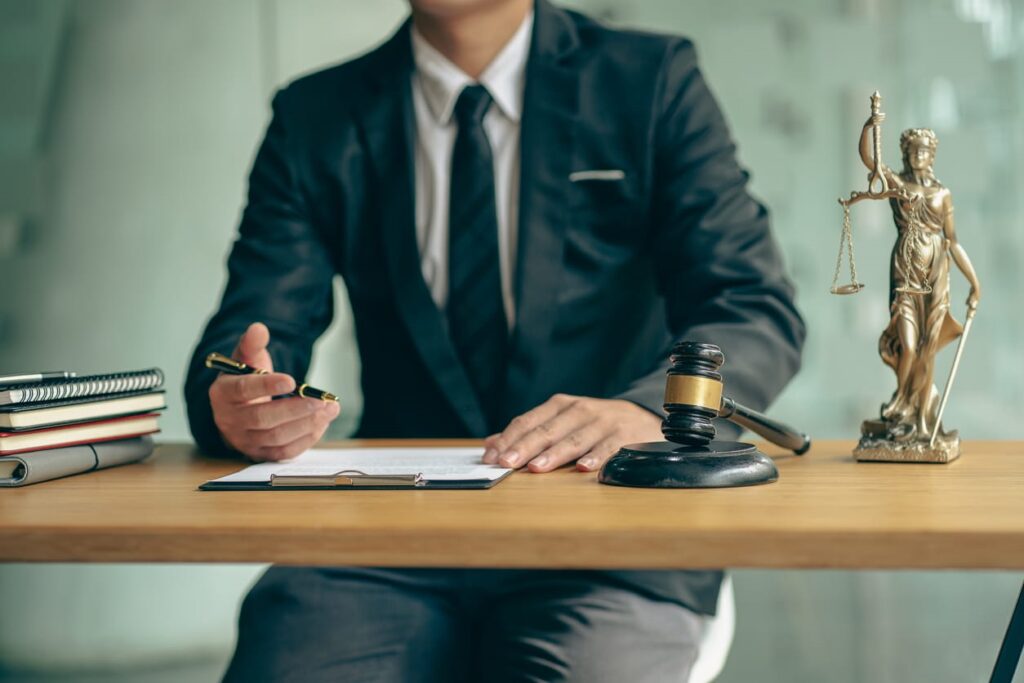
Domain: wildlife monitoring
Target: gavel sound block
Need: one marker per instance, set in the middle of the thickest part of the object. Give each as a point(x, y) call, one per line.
point(692, 458)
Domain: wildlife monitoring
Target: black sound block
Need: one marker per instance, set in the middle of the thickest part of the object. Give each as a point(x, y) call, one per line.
point(664, 465)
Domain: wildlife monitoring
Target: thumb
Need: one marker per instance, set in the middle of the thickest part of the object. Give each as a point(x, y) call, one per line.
point(252, 347)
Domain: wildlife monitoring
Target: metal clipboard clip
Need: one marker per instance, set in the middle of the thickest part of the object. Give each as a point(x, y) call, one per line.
point(346, 478)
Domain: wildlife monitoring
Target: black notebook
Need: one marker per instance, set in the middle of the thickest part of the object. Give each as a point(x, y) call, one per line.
point(79, 387)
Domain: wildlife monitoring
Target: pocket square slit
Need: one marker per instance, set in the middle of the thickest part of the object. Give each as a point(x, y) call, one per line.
point(602, 174)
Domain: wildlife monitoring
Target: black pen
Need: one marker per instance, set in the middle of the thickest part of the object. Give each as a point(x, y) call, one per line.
point(218, 361)
point(35, 377)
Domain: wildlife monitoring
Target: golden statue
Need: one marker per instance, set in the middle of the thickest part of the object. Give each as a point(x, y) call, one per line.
point(909, 427)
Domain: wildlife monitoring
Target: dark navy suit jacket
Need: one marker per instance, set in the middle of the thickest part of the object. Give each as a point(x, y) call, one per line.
point(610, 271)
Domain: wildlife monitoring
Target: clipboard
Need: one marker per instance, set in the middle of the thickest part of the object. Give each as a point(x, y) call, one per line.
point(350, 480)
point(367, 469)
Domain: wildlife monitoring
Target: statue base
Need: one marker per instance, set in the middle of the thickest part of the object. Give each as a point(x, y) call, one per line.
point(880, 442)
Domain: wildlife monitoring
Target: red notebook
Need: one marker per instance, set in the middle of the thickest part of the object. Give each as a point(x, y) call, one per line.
point(75, 434)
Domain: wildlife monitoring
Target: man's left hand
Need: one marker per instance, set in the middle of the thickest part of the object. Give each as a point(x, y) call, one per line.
point(567, 429)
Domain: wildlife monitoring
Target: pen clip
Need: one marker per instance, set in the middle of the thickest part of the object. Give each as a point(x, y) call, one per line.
point(218, 361)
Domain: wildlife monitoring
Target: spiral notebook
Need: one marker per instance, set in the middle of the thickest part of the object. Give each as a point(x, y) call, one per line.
point(80, 387)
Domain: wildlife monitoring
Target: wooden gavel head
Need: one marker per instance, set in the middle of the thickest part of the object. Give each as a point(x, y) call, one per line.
point(693, 393)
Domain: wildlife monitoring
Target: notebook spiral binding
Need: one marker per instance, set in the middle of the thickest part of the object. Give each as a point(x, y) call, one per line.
point(93, 385)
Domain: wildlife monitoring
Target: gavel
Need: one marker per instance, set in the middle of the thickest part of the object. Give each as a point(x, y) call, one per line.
point(693, 396)
point(691, 457)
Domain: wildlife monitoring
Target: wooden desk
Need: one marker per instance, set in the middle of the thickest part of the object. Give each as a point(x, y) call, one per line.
point(826, 511)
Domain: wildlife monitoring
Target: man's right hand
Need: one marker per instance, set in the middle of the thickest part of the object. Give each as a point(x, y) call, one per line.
point(254, 425)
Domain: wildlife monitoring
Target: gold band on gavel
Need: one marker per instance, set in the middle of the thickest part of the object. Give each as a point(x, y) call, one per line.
point(692, 390)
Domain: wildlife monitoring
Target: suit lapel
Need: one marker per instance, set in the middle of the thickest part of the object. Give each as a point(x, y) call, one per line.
point(550, 113)
point(388, 123)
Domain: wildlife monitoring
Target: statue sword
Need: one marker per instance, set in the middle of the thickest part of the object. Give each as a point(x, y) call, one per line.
point(952, 374)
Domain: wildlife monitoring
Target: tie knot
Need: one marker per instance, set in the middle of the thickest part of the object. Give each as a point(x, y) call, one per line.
point(472, 105)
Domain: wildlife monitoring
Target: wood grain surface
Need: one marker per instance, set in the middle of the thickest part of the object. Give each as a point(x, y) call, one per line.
point(825, 511)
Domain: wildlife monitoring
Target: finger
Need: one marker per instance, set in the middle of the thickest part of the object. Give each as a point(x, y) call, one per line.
point(575, 444)
point(331, 409)
point(288, 451)
point(546, 434)
point(252, 348)
point(246, 388)
point(315, 422)
point(526, 422)
point(280, 442)
point(598, 455)
point(490, 452)
point(254, 340)
point(270, 414)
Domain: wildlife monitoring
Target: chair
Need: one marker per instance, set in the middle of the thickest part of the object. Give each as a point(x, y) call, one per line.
point(716, 637)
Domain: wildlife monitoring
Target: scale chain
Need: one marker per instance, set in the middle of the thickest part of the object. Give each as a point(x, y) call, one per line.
point(849, 245)
point(845, 241)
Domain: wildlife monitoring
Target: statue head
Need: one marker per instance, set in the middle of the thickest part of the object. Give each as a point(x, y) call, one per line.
point(918, 146)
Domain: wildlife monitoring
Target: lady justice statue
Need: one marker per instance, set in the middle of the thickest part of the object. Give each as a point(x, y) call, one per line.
point(909, 427)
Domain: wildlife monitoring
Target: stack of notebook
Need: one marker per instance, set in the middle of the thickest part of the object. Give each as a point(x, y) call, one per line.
point(58, 427)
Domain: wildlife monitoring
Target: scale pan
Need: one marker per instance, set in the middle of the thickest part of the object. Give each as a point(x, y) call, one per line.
point(851, 288)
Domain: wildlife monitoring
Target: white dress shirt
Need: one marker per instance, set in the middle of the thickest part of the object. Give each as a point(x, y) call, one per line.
point(436, 86)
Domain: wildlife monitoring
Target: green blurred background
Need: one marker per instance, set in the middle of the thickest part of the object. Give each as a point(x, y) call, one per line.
point(126, 132)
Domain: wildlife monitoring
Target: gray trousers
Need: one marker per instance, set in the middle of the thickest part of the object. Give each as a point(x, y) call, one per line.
point(458, 626)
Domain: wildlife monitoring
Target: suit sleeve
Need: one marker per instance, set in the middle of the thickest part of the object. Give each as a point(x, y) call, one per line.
point(279, 272)
point(717, 265)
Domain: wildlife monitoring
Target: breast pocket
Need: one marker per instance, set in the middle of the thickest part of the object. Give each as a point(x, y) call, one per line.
point(600, 188)
point(605, 203)
point(606, 235)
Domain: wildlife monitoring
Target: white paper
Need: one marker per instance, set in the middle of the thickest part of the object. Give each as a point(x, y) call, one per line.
point(433, 464)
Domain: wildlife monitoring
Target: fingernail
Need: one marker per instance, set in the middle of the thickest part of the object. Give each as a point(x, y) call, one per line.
point(542, 461)
point(490, 455)
point(586, 463)
point(282, 385)
point(511, 459)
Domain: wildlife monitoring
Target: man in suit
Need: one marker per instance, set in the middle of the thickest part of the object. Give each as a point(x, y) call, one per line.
point(527, 209)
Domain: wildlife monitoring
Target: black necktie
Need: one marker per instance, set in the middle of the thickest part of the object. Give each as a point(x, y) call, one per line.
point(476, 314)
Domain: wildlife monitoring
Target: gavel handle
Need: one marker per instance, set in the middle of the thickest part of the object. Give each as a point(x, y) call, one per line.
point(765, 427)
